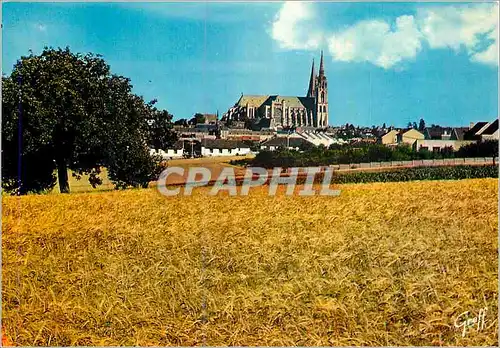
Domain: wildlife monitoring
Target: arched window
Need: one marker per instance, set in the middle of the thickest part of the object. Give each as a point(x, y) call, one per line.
point(322, 97)
point(324, 108)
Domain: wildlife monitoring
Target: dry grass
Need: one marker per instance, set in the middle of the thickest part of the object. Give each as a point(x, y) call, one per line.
point(83, 185)
point(383, 264)
point(214, 164)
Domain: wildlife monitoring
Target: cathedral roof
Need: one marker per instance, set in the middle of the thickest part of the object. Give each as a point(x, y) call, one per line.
point(259, 100)
point(297, 102)
point(252, 100)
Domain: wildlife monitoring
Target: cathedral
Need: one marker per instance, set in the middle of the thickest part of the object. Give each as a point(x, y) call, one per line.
point(275, 111)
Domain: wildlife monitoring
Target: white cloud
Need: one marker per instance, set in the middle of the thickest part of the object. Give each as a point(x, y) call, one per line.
point(375, 42)
point(465, 27)
point(294, 26)
point(472, 27)
point(488, 56)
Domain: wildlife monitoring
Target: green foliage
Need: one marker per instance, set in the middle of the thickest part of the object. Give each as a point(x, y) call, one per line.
point(421, 125)
point(128, 166)
point(253, 145)
point(420, 173)
point(410, 174)
point(161, 134)
point(181, 122)
point(64, 111)
point(197, 119)
point(488, 148)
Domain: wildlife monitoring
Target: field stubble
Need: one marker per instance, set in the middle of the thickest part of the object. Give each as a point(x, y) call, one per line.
point(382, 264)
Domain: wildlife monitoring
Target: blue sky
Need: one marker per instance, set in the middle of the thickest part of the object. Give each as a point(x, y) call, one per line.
point(385, 62)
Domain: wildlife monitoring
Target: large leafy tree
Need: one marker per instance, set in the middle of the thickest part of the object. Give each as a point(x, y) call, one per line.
point(67, 111)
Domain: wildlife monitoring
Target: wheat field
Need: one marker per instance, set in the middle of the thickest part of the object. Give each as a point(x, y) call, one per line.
point(382, 264)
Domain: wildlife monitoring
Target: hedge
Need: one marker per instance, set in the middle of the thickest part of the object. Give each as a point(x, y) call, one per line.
point(417, 173)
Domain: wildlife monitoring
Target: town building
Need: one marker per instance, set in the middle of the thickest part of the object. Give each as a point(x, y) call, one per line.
point(491, 132)
point(246, 134)
point(221, 147)
point(389, 138)
point(434, 138)
point(320, 138)
point(290, 143)
point(409, 136)
point(211, 118)
point(483, 131)
point(175, 151)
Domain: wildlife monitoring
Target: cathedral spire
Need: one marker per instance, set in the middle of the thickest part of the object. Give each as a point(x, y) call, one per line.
point(321, 67)
point(310, 91)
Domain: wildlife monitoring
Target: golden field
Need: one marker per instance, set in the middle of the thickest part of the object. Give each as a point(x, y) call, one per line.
point(382, 264)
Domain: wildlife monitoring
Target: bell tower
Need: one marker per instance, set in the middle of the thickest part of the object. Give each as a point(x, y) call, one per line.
point(321, 97)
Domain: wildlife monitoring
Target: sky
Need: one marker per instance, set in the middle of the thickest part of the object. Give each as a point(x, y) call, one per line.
point(390, 63)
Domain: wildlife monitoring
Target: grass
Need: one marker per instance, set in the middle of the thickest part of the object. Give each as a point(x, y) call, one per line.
point(382, 264)
point(215, 164)
point(83, 185)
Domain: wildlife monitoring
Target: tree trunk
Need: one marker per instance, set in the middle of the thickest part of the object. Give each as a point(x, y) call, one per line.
point(62, 175)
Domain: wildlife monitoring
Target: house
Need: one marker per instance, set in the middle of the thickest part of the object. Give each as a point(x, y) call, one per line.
point(491, 132)
point(247, 134)
point(481, 131)
point(193, 133)
point(437, 145)
point(389, 138)
point(360, 142)
point(409, 136)
point(437, 138)
point(291, 143)
point(175, 151)
point(211, 118)
point(438, 133)
point(434, 138)
point(475, 130)
point(223, 147)
point(458, 133)
point(320, 138)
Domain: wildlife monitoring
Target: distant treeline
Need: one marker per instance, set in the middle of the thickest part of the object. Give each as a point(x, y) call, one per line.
point(363, 153)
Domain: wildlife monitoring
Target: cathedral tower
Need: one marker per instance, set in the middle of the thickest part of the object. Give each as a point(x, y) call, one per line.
point(321, 96)
point(318, 90)
point(312, 83)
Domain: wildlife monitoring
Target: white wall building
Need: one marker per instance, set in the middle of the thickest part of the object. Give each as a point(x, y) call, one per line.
point(320, 138)
point(177, 151)
point(438, 144)
point(221, 147)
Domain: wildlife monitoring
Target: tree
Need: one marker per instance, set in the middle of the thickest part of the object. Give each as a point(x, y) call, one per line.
point(67, 111)
point(414, 126)
point(197, 119)
point(421, 125)
point(181, 122)
point(488, 148)
point(161, 135)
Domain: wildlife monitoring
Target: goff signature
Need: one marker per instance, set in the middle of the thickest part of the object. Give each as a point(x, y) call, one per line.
point(465, 322)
